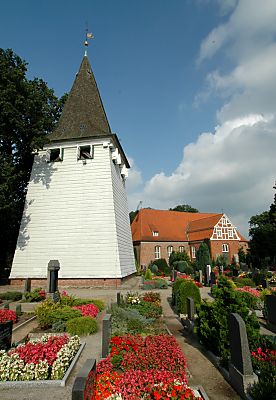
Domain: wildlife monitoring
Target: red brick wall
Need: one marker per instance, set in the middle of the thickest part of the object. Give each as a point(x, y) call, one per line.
point(103, 283)
point(234, 245)
point(147, 250)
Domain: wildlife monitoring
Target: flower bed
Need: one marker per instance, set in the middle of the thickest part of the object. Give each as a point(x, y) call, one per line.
point(47, 358)
point(248, 289)
point(137, 368)
point(7, 315)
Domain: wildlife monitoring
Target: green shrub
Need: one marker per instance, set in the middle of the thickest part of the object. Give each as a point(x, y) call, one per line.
point(43, 311)
point(59, 326)
point(240, 282)
point(163, 266)
point(187, 289)
point(212, 322)
point(175, 290)
point(161, 284)
point(81, 326)
point(63, 314)
point(98, 303)
point(135, 326)
point(154, 269)
point(35, 295)
point(148, 275)
point(180, 266)
point(251, 301)
point(189, 270)
point(13, 296)
point(148, 285)
point(148, 310)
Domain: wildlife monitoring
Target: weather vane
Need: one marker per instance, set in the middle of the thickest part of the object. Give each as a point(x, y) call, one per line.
point(88, 35)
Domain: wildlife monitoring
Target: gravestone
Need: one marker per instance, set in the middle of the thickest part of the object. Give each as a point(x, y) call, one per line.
point(28, 285)
point(174, 275)
point(208, 274)
point(84, 384)
point(212, 278)
point(221, 269)
point(240, 368)
point(264, 283)
point(191, 308)
point(118, 298)
point(18, 309)
point(5, 335)
point(106, 335)
point(200, 276)
point(52, 284)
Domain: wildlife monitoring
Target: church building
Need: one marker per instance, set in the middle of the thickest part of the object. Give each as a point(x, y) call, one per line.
point(76, 208)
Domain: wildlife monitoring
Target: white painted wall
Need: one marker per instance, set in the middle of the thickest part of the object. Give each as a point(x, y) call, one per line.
point(76, 214)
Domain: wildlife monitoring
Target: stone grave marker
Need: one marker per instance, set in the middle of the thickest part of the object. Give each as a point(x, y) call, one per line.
point(212, 278)
point(118, 298)
point(52, 284)
point(200, 276)
point(240, 367)
point(5, 335)
point(28, 285)
point(106, 334)
point(18, 309)
point(208, 274)
point(84, 384)
point(191, 308)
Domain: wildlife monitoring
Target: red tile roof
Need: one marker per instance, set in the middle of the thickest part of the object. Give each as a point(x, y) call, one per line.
point(170, 225)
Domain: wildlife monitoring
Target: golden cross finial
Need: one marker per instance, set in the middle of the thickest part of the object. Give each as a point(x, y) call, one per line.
point(88, 35)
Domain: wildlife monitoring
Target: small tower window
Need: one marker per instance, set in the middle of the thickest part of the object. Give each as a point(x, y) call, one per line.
point(54, 155)
point(155, 233)
point(225, 248)
point(85, 152)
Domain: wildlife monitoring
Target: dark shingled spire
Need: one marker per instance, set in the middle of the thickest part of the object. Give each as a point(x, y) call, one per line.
point(83, 115)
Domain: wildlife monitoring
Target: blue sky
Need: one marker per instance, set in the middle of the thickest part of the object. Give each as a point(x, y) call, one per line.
point(187, 85)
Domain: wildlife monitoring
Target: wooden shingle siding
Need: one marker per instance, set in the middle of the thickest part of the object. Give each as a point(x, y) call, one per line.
point(69, 215)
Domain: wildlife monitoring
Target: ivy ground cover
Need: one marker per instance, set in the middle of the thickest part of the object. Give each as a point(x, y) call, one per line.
point(153, 367)
point(39, 359)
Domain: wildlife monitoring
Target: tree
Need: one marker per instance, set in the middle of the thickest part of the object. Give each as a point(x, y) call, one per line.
point(203, 256)
point(184, 208)
point(179, 256)
point(263, 237)
point(28, 111)
point(132, 216)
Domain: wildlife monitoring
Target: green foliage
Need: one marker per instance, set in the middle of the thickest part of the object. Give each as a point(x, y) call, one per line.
point(242, 255)
point(59, 326)
point(148, 285)
point(81, 326)
point(178, 256)
point(34, 296)
point(160, 284)
point(163, 266)
point(62, 314)
point(148, 310)
point(154, 269)
point(128, 320)
point(175, 290)
point(212, 322)
point(13, 296)
point(29, 110)
point(203, 256)
point(241, 282)
point(116, 360)
point(43, 311)
point(187, 289)
point(263, 237)
point(148, 275)
point(184, 208)
point(251, 301)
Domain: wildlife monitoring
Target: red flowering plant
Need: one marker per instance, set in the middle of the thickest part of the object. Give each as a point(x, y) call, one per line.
point(264, 364)
point(150, 368)
point(7, 315)
point(88, 310)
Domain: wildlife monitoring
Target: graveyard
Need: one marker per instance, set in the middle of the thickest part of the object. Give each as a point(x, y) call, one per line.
point(206, 337)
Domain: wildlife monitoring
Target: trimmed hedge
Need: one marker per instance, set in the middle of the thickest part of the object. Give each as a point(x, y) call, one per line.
point(186, 289)
point(81, 326)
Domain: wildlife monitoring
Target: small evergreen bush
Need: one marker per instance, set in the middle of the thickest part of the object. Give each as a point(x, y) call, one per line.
point(241, 282)
point(148, 275)
point(154, 269)
point(162, 265)
point(180, 266)
point(59, 326)
point(175, 290)
point(43, 311)
point(13, 296)
point(63, 314)
point(148, 285)
point(161, 284)
point(187, 289)
point(81, 326)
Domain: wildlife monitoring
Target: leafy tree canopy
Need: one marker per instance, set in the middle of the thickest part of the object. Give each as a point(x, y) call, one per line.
point(203, 256)
point(184, 208)
point(263, 237)
point(28, 111)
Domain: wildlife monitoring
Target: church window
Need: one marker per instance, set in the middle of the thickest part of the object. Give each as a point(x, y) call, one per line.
point(85, 152)
point(181, 249)
point(170, 250)
point(157, 252)
point(225, 248)
point(193, 252)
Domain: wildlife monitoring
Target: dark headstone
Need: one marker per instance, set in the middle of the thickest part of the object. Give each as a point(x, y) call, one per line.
point(240, 367)
point(28, 285)
point(18, 309)
point(53, 268)
point(264, 284)
point(84, 384)
point(212, 278)
point(235, 272)
point(200, 276)
point(5, 335)
point(190, 308)
point(106, 335)
point(118, 298)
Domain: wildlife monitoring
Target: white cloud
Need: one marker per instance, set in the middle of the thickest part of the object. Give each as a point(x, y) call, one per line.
point(232, 168)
